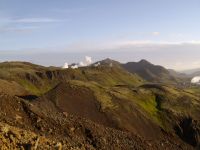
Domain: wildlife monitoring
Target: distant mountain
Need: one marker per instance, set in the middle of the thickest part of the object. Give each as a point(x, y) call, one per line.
point(151, 72)
point(177, 74)
point(108, 62)
point(194, 74)
point(192, 71)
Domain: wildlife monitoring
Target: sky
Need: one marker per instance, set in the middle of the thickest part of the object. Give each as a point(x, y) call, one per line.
point(52, 32)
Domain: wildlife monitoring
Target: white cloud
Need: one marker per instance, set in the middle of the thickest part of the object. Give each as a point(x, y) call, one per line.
point(185, 64)
point(148, 42)
point(18, 29)
point(30, 20)
point(155, 33)
point(69, 10)
point(193, 42)
point(36, 20)
point(23, 24)
point(196, 63)
point(146, 45)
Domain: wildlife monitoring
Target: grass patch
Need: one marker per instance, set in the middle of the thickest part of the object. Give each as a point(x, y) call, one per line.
point(99, 92)
point(35, 90)
point(144, 99)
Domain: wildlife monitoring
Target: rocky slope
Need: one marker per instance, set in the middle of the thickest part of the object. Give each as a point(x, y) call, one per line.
point(95, 107)
point(24, 125)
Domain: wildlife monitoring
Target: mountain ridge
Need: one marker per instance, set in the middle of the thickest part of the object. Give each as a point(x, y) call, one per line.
point(108, 97)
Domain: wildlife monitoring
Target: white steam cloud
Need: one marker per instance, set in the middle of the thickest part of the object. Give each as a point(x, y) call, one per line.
point(97, 64)
point(81, 64)
point(74, 66)
point(66, 65)
point(196, 80)
point(86, 62)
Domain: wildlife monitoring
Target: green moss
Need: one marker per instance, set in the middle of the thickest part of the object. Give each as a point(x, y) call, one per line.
point(108, 76)
point(36, 90)
point(99, 92)
point(30, 87)
point(149, 104)
point(193, 90)
point(145, 99)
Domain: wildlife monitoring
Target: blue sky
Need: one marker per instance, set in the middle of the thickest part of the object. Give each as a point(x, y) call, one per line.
point(165, 32)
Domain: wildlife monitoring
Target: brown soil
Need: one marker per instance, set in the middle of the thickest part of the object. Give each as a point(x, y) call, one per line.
point(55, 129)
point(78, 101)
point(81, 101)
point(12, 88)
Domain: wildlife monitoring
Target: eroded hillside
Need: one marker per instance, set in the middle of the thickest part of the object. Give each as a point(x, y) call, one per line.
point(94, 108)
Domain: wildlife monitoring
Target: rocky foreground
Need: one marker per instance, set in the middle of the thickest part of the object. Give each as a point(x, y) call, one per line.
point(24, 126)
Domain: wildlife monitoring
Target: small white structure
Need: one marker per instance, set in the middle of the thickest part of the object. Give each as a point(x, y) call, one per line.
point(196, 80)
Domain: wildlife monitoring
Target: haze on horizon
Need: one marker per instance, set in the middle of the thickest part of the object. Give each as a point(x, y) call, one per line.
point(50, 32)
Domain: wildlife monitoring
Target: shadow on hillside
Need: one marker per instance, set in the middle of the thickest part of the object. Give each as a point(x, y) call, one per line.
point(29, 97)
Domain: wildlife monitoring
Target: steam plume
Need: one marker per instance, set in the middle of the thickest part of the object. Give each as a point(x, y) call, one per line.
point(66, 65)
point(86, 62)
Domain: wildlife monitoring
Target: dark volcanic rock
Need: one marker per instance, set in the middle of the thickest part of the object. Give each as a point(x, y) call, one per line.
point(188, 130)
